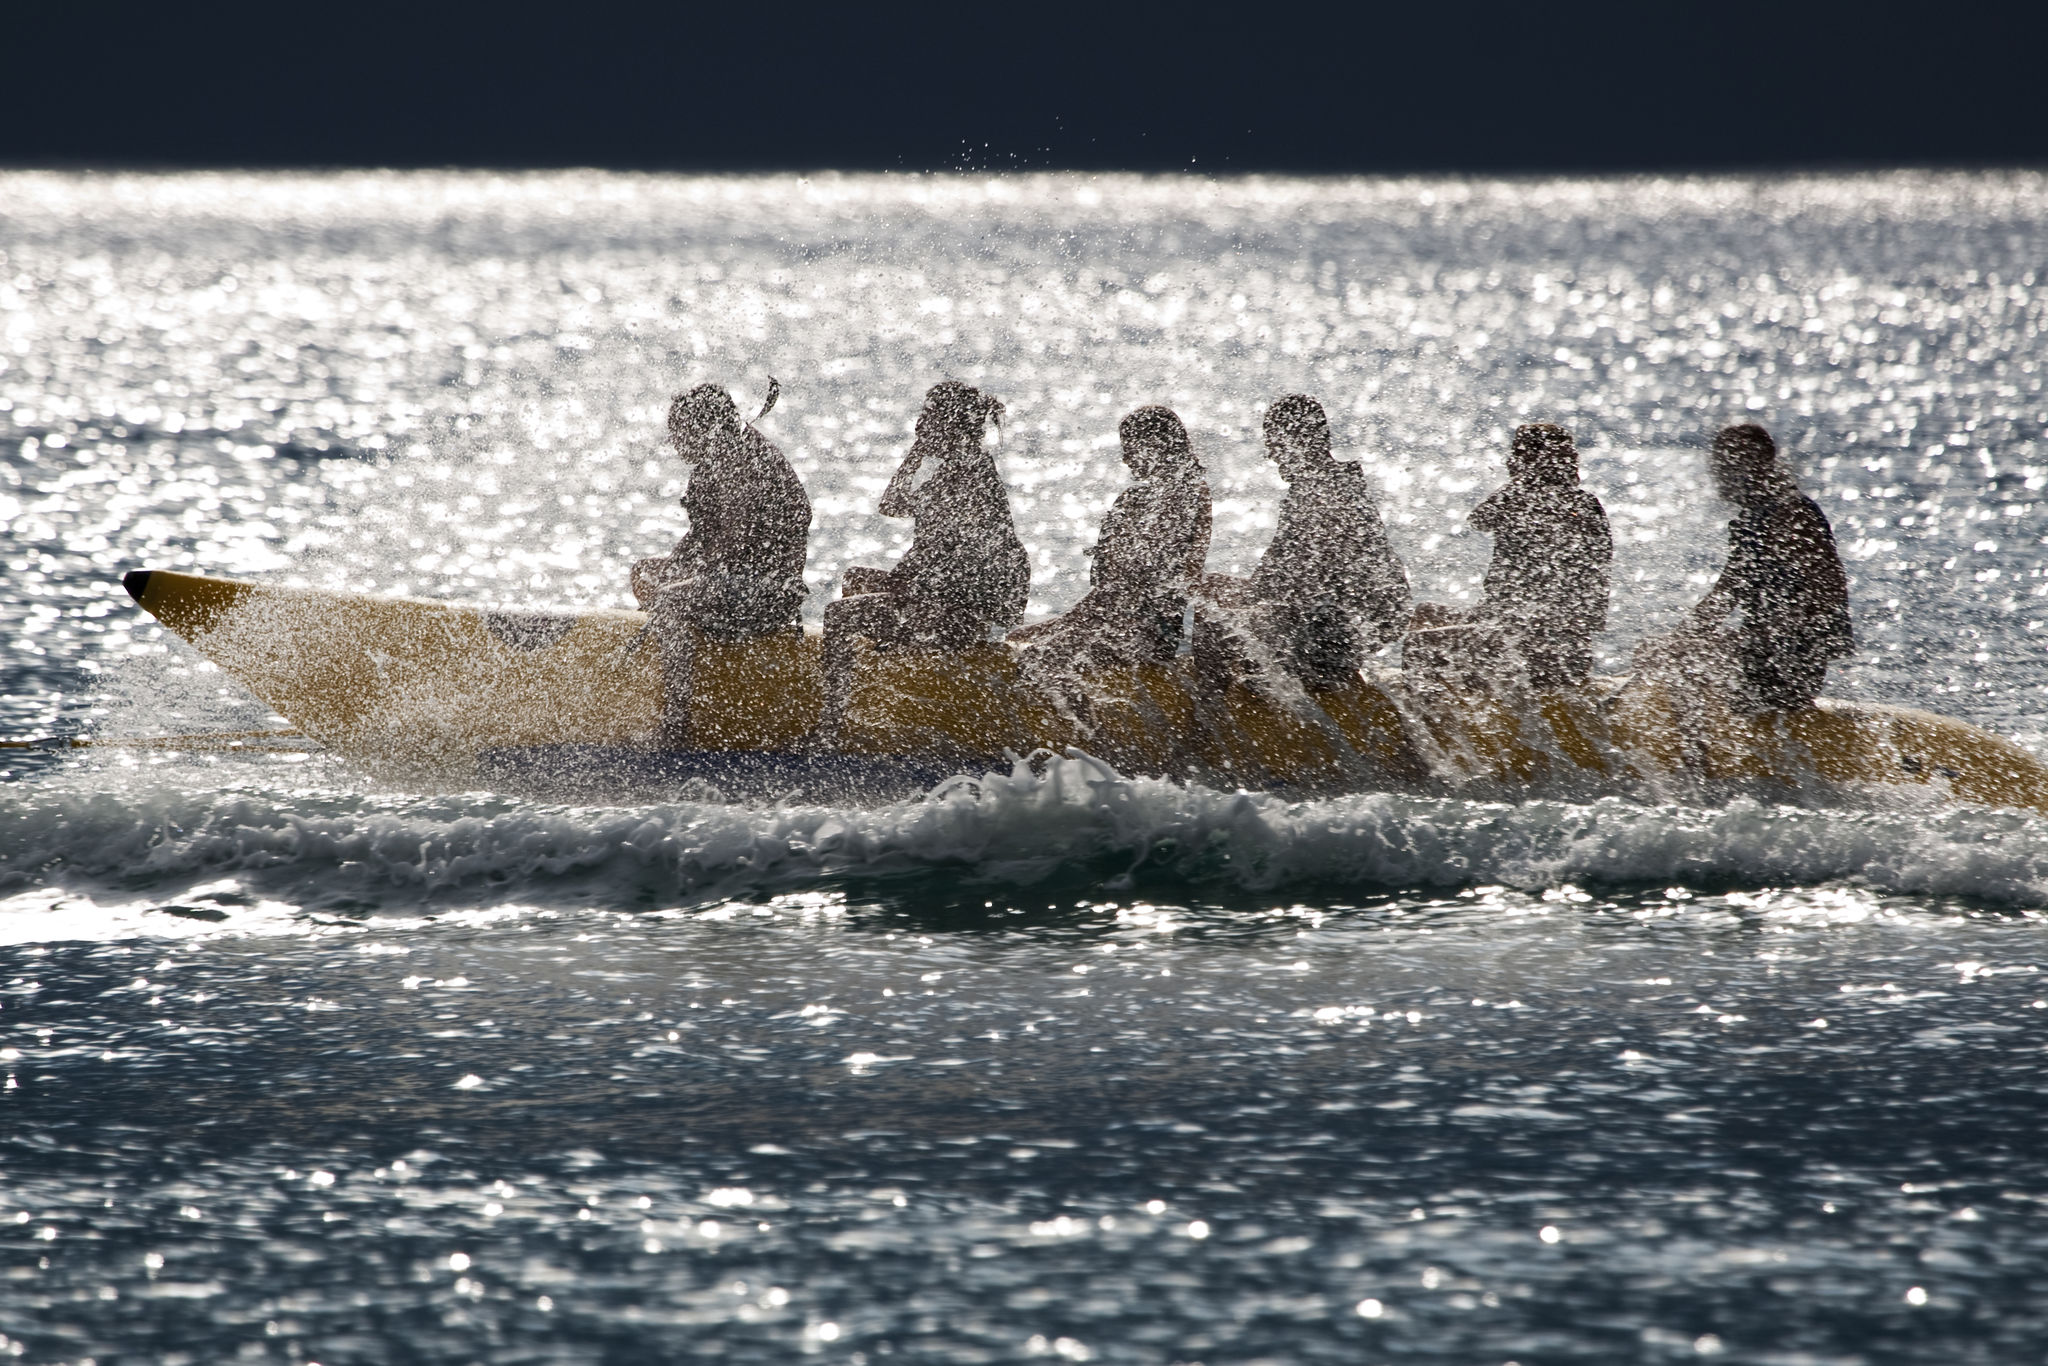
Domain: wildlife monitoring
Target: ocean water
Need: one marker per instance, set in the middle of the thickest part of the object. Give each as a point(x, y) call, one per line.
point(299, 1067)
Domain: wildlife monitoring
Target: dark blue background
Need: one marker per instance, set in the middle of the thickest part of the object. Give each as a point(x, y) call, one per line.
point(1359, 87)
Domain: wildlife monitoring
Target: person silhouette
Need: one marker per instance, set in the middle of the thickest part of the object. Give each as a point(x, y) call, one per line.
point(1328, 591)
point(1779, 613)
point(1546, 587)
point(965, 570)
point(738, 574)
point(1146, 558)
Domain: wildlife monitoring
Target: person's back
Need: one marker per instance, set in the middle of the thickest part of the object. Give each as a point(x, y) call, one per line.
point(1329, 580)
point(964, 552)
point(965, 570)
point(1151, 550)
point(1146, 557)
point(750, 521)
point(1547, 583)
point(1783, 585)
point(1762, 637)
point(1329, 546)
point(738, 573)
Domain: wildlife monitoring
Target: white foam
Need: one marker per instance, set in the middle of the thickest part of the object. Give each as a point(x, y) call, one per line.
point(153, 840)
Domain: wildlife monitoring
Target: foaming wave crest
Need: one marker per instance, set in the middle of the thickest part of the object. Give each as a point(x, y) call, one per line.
point(1071, 819)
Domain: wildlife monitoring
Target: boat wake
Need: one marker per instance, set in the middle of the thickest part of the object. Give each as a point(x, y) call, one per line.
point(142, 838)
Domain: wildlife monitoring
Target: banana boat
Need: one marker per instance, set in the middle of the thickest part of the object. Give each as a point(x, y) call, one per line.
point(451, 693)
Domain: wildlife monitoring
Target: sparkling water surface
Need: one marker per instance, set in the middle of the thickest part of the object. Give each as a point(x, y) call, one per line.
point(1064, 1065)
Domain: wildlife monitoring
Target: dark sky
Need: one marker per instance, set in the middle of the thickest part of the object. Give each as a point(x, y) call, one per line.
point(1533, 86)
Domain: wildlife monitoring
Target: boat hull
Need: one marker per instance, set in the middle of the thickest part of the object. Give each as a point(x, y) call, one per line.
point(449, 691)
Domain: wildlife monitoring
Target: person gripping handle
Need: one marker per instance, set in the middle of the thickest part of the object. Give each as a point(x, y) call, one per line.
point(1767, 630)
point(739, 572)
point(1146, 558)
point(965, 570)
point(1546, 586)
point(1329, 589)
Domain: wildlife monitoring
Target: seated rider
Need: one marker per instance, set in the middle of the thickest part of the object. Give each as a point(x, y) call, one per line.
point(739, 573)
point(1546, 587)
point(1147, 556)
point(1329, 590)
point(965, 570)
point(1780, 610)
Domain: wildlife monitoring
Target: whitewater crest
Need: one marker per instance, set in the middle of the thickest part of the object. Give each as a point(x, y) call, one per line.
point(1055, 818)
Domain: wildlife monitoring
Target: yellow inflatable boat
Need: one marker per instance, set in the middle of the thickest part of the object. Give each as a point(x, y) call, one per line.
point(441, 691)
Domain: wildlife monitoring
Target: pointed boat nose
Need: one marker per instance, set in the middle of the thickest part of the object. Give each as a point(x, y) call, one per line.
point(136, 581)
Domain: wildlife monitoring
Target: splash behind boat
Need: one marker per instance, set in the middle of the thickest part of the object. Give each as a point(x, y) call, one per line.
point(465, 694)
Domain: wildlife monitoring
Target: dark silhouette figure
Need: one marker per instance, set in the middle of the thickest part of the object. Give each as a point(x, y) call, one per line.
point(1329, 590)
point(739, 573)
point(1783, 596)
point(1546, 587)
point(965, 570)
point(1147, 557)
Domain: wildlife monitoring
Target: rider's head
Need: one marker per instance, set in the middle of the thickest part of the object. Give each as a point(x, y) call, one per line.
point(1745, 466)
point(1297, 434)
point(1543, 454)
point(1155, 442)
point(703, 424)
point(954, 418)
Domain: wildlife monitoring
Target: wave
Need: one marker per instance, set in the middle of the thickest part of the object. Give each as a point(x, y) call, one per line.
point(1072, 819)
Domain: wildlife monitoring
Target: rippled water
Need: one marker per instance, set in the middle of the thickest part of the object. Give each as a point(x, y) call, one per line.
point(301, 1068)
